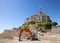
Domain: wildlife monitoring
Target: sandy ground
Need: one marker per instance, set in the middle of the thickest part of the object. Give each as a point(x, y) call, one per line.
point(28, 41)
point(45, 39)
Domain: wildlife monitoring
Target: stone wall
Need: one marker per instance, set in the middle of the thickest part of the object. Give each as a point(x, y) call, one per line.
point(56, 29)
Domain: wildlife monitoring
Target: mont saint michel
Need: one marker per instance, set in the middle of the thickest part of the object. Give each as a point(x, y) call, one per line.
point(29, 21)
point(39, 25)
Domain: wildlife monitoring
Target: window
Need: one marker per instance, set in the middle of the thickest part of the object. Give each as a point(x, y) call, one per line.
point(43, 18)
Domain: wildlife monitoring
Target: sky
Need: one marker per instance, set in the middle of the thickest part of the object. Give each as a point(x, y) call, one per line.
point(13, 13)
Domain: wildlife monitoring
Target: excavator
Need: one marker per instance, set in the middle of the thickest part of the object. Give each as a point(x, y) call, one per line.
point(31, 35)
point(22, 29)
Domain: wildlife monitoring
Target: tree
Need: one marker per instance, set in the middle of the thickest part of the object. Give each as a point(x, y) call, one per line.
point(54, 23)
point(32, 22)
point(41, 25)
point(44, 25)
point(48, 25)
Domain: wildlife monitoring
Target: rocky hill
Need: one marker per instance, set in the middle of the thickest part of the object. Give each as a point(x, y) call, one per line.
point(9, 33)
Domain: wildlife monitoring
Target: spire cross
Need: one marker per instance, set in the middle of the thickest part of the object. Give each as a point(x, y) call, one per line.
point(40, 11)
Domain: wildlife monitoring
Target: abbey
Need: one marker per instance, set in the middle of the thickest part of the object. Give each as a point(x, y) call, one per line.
point(39, 17)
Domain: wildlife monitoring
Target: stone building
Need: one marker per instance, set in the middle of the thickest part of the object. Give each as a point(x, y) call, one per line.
point(39, 17)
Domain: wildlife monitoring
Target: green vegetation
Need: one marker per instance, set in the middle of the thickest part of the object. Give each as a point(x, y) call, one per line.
point(32, 22)
point(54, 23)
point(27, 27)
point(44, 23)
point(41, 26)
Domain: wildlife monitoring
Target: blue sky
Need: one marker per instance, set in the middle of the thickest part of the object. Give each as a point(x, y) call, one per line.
point(14, 12)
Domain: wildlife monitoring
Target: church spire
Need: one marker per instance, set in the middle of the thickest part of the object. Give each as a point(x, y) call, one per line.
point(40, 10)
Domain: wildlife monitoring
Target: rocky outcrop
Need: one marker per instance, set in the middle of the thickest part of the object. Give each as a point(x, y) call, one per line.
point(9, 34)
